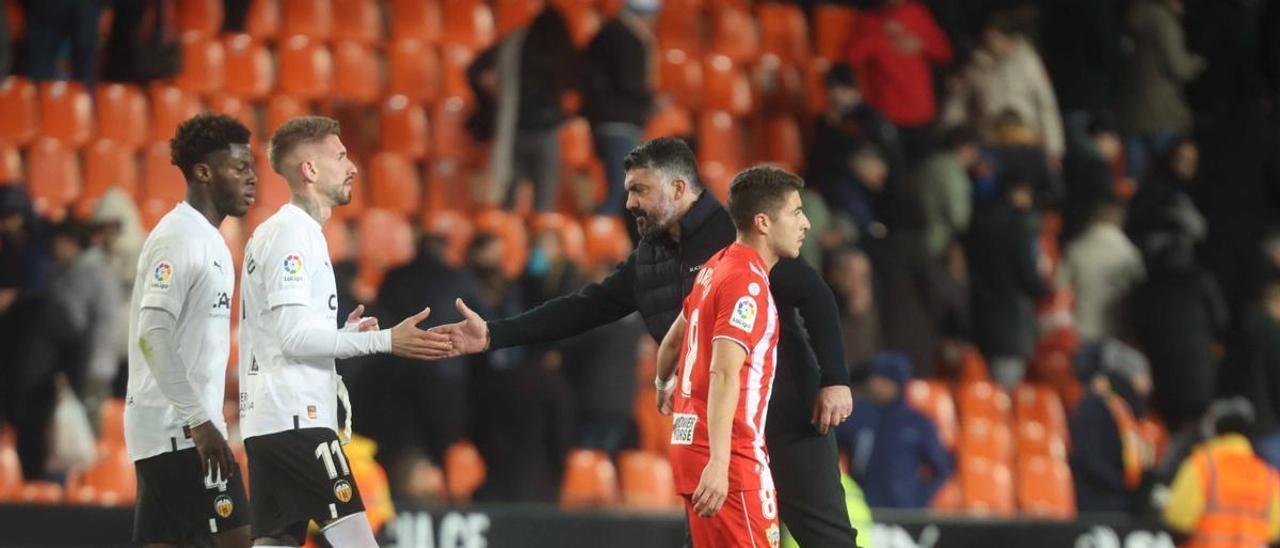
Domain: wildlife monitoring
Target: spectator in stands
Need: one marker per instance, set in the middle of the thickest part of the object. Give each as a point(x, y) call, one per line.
point(58, 26)
point(1224, 494)
point(1087, 172)
point(1018, 148)
point(120, 234)
point(520, 85)
point(1252, 370)
point(1153, 108)
point(895, 47)
point(1163, 205)
point(895, 454)
point(946, 192)
point(549, 272)
point(1178, 315)
point(849, 274)
point(1101, 267)
point(1108, 457)
point(90, 296)
point(1006, 74)
point(1082, 43)
point(618, 92)
point(1004, 279)
point(408, 408)
point(137, 52)
point(522, 417)
point(858, 195)
point(235, 14)
point(849, 123)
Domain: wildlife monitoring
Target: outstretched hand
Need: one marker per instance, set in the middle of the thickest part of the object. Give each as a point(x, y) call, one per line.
point(407, 341)
point(469, 336)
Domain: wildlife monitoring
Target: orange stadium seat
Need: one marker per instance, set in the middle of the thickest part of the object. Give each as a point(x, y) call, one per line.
point(306, 68)
point(249, 71)
point(239, 109)
point(455, 227)
point(948, 499)
point(107, 164)
point(510, 229)
point(201, 17)
point(53, 177)
point(163, 185)
point(986, 438)
point(203, 64)
point(18, 123)
point(680, 77)
point(66, 112)
point(464, 471)
point(778, 87)
point(170, 106)
point(121, 113)
point(358, 21)
point(987, 487)
point(720, 149)
point(10, 164)
point(413, 70)
point(1154, 433)
point(725, 86)
point(653, 431)
point(933, 399)
point(449, 187)
point(415, 19)
point(10, 468)
point(669, 122)
point(783, 31)
point(263, 20)
point(273, 191)
point(311, 18)
point(280, 108)
point(111, 423)
point(386, 241)
point(717, 5)
point(39, 492)
point(109, 482)
point(455, 59)
point(567, 230)
point(356, 69)
point(1033, 438)
point(815, 85)
point(403, 127)
point(590, 479)
point(1040, 403)
point(510, 15)
point(468, 23)
point(394, 184)
point(783, 143)
point(1045, 489)
point(449, 135)
point(584, 22)
point(610, 8)
point(680, 28)
point(982, 399)
point(831, 28)
point(575, 143)
point(734, 35)
point(973, 366)
point(647, 481)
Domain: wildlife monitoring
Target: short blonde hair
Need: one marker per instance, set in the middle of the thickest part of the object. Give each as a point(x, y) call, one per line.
point(298, 131)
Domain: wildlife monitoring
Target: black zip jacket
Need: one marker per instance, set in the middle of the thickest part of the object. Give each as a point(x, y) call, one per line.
point(654, 281)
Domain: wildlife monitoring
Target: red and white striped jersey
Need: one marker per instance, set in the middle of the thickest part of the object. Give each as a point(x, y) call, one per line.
point(730, 301)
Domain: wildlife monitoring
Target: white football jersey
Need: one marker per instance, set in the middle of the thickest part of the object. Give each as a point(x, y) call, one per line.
point(286, 262)
point(185, 268)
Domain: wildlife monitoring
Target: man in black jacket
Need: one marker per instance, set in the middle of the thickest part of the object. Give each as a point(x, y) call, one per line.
point(681, 226)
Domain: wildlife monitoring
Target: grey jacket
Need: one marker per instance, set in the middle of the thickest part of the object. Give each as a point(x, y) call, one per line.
point(1152, 99)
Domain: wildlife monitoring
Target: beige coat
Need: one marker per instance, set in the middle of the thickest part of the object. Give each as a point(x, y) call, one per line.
point(1151, 98)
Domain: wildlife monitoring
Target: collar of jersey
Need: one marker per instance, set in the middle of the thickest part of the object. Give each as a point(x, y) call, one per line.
point(295, 210)
point(185, 209)
point(751, 255)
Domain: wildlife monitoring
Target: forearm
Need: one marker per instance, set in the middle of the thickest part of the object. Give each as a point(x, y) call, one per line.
point(796, 281)
point(669, 350)
point(305, 336)
point(566, 316)
point(158, 342)
point(722, 400)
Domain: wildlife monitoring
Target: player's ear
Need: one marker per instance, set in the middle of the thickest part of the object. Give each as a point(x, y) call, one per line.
point(309, 171)
point(202, 172)
point(762, 222)
point(681, 186)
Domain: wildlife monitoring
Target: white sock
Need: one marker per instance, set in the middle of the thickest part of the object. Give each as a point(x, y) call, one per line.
point(351, 531)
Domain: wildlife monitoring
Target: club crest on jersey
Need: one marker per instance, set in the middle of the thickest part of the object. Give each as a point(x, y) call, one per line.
point(774, 535)
point(162, 276)
point(342, 490)
point(744, 314)
point(223, 506)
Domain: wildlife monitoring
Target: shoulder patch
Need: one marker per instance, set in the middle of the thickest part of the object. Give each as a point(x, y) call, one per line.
point(744, 314)
point(293, 266)
point(162, 276)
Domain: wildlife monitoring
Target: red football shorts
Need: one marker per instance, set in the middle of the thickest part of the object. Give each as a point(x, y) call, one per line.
point(748, 519)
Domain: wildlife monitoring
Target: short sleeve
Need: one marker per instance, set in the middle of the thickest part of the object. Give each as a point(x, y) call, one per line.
point(288, 263)
point(171, 271)
point(741, 304)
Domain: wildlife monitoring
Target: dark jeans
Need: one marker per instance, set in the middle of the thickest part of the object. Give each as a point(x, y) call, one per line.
point(53, 27)
point(603, 433)
point(613, 140)
point(536, 157)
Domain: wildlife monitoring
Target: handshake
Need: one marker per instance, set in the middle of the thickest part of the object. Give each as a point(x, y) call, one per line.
point(469, 336)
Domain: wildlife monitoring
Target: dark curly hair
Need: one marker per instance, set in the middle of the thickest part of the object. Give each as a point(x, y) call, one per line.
point(204, 134)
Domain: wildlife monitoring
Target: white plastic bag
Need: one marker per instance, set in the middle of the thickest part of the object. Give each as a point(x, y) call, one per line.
point(71, 442)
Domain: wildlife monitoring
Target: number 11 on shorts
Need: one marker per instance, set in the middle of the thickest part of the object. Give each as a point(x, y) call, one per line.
point(326, 452)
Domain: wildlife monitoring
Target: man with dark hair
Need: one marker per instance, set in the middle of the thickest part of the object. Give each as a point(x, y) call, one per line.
point(848, 124)
point(681, 227)
point(179, 342)
point(725, 341)
point(289, 340)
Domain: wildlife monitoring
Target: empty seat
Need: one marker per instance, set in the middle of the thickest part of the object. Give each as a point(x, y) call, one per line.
point(170, 107)
point(567, 230)
point(263, 21)
point(109, 482)
point(1040, 403)
point(933, 400)
point(783, 31)
point(17, 111)
point(680, 76)
point(203, 64)
point(415, 19)
point(589, 480)
point(669, 122)
point(10, 164)
point(783, 144)
point(720, 150)
point(386, 241)
point(468, 23)
point(725, 86)
point(111, 423)
point(647, 481)
point(413, 70)
point(464, 471)
point(39, 492)
point(449, 187)
point(403, 127)
point(394, 184)
point(510, 229)
point(66, 113)
point(986, 438)
point(456, 229)
point(1033, 438)
point(831, 26)
point(53, 177)
point(163, 184)
point(455, 60)
point(359, 21)
point(358, 80)
point(1045, 489)
point(510, 15)
point(239, 109)
point(575, 143)
point(680, 27)
point(450, 139)
point(948, 498)
point(121, 112)
point(734, 35)
point(107, 164)
point(280, 108)
point(311, 18)
point(652, 429)
point(306, 68)
point(200, 17)
point(10, 467)
point(982, 399)
point(987, 487)
point(248, 69)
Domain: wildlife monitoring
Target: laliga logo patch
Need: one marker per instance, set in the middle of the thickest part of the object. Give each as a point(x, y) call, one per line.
point(223, 506)
point(744, 314)
point(774, 535)
point(293, 264)
point(342, 490)
point(162, 275)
